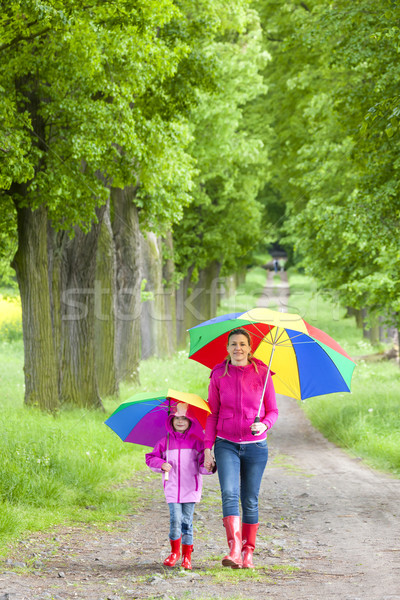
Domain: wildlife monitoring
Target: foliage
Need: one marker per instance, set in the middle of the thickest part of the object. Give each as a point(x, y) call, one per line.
point(77, 87)
point(223, 223)
point(334, 148)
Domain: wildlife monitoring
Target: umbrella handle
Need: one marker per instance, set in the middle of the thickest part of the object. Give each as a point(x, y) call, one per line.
point(256, 420)
point(166, 476)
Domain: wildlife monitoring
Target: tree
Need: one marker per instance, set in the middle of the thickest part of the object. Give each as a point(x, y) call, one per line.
point(74, 75)
point(222, 224)
point(340, 148)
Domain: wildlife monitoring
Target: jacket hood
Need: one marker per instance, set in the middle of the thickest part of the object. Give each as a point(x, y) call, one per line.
point(180, 410)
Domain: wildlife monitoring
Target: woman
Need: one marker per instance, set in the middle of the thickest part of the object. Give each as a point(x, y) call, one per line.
point(241, 450)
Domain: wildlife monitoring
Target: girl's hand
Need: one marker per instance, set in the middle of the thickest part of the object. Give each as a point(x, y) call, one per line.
point(258, 428)
point(209, 462)
point(166, 467)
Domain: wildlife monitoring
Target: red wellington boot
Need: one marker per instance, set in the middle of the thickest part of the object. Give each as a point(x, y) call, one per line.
point(249, 533)
point(234, 537)
point(187, 556)
point(175, 553)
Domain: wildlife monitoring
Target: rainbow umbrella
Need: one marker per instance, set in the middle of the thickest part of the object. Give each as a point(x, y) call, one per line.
point(304, 360)
point(141, 419)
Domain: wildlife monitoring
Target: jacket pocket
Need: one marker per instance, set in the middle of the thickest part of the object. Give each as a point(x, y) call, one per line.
point(225, 420)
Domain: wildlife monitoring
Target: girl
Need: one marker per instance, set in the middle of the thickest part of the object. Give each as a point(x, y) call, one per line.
point(180, 454)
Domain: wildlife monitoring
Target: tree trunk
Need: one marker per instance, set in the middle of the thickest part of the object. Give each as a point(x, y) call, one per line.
point(181, 322)
point(31, 267)
point(199, 302)
point(125, 226)
point(104, 311)
point(168, 273)
point(154, 330)
point(78, 374)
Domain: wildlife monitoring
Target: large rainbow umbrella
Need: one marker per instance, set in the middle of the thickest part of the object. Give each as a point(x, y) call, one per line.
point(142, 418)
point(304, 360)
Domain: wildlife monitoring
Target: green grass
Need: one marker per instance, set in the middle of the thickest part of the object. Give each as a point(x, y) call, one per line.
point(72, 467)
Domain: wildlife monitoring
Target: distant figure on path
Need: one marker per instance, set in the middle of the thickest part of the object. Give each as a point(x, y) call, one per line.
point(276, 265)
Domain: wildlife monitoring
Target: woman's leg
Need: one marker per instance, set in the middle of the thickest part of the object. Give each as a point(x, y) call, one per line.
point(253, 461)
point(228, 469)
point(187, 523)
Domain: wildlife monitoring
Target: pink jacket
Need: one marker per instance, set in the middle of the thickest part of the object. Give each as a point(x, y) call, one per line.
point(234, 399)
point(186, 455)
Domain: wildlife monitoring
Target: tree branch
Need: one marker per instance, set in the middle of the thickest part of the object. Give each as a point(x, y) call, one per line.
point(23, 38)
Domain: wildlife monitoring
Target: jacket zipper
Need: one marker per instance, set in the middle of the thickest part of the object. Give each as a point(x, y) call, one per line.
point(179, 475)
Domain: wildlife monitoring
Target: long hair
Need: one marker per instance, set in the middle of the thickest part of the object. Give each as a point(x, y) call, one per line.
point(239, 331)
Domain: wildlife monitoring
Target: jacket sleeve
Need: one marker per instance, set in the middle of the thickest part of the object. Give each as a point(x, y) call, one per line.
point(212, 419)
point(156, 458)
point(271, 409)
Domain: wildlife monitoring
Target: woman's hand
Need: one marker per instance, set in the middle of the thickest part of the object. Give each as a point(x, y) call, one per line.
point(209, 461)
point(166, 467)
point(258, 428)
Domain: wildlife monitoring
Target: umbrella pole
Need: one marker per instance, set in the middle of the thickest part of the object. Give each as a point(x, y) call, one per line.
point(166, 475)
point(257, 419)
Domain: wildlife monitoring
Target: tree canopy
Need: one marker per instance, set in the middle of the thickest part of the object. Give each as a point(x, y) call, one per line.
point(334, 149)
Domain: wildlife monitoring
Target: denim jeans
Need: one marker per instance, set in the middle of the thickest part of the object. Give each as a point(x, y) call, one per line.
point(181, 521)
point(240, 469)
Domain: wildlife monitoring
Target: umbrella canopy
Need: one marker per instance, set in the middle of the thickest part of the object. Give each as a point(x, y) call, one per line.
point(304, 360)
point(141, 419)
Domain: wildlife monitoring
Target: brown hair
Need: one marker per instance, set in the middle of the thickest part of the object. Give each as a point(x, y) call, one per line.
point(239, 331)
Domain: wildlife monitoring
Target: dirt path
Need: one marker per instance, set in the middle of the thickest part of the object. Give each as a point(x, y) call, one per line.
point(329, 531)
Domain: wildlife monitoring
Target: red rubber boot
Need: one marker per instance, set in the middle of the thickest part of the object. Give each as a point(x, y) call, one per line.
point(175, 553)
point(187, 556)
point(234, 537)
point(249, 533)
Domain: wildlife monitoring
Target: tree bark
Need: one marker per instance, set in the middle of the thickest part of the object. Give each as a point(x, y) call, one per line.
point(125, 226)
point(78, 385)
point(198, 302)
point(31, 267)
point(154, 331)
point(168, 272)
point(104, 311)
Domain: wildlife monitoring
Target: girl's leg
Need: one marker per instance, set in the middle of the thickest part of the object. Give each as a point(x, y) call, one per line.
point(175, 514)
point(187, 523)
point(253, 461)
point(228, 469)
point(175, 520)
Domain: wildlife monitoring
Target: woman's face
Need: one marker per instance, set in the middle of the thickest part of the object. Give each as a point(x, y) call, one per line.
point(239, 349)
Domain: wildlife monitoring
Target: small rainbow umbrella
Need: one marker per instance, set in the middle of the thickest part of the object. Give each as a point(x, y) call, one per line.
point(141, 419)
point(304, 360)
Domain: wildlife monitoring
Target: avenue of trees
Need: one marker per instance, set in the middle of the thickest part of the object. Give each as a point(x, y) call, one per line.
point(147, 148)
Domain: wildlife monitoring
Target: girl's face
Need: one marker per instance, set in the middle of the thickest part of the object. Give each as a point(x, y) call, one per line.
point(180, 424)
point(239, 349)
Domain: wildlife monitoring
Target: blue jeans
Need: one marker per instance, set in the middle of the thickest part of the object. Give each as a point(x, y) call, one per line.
point(240, 469)
point(181, 521)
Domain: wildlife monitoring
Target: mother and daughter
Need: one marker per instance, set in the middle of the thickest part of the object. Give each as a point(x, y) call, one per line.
point(240, 454)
